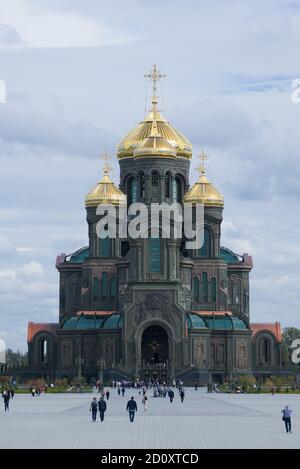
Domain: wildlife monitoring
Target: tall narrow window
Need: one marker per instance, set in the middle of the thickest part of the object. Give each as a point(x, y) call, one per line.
point(266, 350)
point(113, 288)
point(96, 289)
point(177, 190)
point(154, 254)
point(104, 247)
point(204, 288)
point(142, 186)
point(196, 289)
point(205, 249)
point(213, 290)
point(154, 187)
point(167, 186)
point(104, 286)
point(236, 292)
point(44, 351)
point(131, 191)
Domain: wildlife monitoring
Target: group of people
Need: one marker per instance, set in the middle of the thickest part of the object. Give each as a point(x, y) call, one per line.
point(101, 406)
point(36, 391)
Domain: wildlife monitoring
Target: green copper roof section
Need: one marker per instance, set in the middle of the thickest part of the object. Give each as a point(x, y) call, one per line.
point(229, 256)
point(195, 321)
point(80, 255)
point(114, 321)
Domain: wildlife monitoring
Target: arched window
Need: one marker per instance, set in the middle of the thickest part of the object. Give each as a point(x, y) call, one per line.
point(131, 191)
point(104, 246)
point(96, 289)
point(213, 287)
point(177, 190)
point(113, 288)
point(205, 250)
point(196, 289)
point(44, 350)
point(167, 186)
point(154, 254)
point(204, 288)
point(104, 286)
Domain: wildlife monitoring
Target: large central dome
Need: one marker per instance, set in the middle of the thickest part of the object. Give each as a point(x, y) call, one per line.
point(179, 142)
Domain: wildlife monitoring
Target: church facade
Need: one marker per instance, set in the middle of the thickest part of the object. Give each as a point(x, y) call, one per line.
point(149, 307)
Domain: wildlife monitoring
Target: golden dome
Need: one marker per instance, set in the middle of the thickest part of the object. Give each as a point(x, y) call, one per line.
point(154, 145)
point(178, 142)
point(105, 192)
point(203, 192)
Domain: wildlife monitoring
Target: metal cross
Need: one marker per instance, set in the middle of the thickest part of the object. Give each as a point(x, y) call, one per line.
point(107, 168)
point(203, 157)
point(154, 76)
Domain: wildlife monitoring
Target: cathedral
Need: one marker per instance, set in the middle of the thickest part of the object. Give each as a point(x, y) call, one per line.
point(149, 308)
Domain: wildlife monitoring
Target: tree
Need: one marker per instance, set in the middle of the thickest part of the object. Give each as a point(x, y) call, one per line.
point(289, 334)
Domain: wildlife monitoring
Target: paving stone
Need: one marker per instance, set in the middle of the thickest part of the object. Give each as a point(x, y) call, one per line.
point(201, 421)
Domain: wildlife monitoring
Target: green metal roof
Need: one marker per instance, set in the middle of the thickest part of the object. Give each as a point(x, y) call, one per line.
point(114, 321)
point(229, 256)
point(196, 321)
point(80, 255)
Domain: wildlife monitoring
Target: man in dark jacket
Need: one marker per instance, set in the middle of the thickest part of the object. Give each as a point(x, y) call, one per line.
point(93, 408)
point(131, 408)
point(6, 398)
point(171, 394)
point(102, 408)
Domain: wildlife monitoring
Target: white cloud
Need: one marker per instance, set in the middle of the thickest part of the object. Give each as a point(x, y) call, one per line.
point(44, 27)
point(33, 268)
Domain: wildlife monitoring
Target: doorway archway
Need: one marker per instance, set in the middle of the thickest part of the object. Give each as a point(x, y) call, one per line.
point(155, 346)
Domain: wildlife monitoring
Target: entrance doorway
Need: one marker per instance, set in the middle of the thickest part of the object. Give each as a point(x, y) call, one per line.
point(155, 348)
point(155, 353)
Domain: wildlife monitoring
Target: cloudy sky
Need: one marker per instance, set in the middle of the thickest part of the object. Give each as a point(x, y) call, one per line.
point(74, 79)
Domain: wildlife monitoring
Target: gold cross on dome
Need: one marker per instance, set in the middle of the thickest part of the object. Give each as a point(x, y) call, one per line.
point(154, 76)
point(106, 168)
point(203, 157)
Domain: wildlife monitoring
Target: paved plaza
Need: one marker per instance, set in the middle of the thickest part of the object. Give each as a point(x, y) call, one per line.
point(201, 421)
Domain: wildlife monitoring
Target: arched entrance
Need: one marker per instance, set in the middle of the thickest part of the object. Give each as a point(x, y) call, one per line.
point(155, 353)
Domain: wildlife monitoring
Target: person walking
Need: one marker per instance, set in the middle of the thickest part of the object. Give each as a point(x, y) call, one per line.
point(171, 394)
point(107, 395)
point(102, 408)
point(12, 393)
point(123, 391)
point(6, 398)
point(145, 402)
point(119, 391)
point(287, 418)
point(182, 394)
point(94, 408)
point(131, 408)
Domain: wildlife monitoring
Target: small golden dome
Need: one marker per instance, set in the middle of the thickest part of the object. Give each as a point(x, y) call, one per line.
point(105, 192)
point(154, 145)
point(179, 142)
point(203, 192)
